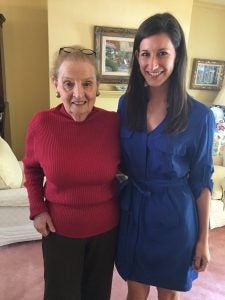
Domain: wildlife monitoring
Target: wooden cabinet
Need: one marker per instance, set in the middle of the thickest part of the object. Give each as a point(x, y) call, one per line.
point(2, 80)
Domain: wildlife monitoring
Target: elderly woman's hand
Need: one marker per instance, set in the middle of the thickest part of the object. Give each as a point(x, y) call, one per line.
point(43, 223)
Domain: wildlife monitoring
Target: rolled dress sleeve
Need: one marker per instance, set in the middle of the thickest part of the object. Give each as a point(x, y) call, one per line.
point(201, 168)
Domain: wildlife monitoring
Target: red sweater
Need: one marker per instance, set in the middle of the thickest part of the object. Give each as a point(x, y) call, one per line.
point(79, 161)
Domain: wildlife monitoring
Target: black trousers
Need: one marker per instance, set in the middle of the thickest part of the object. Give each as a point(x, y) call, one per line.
point(78, 269)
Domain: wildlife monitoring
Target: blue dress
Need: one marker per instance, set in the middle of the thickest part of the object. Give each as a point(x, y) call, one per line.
point(159, 224)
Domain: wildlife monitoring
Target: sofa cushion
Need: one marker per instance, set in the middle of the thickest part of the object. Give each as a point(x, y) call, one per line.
point(14, 197)
point(217, 214)
point(10, 170)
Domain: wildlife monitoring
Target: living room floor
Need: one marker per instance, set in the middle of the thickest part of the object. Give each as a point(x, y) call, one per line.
point(21, 273)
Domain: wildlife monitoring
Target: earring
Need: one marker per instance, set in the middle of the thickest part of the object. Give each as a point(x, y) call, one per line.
point(57, 94)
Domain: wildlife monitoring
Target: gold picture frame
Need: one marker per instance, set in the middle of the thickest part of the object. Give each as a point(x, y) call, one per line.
point(207, 74)
point(114, 47)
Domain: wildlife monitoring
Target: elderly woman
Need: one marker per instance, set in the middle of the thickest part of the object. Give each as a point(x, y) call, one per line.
point(75, 147)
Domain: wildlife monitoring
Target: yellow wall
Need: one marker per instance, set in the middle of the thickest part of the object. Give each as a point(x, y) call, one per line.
point(72, 21)
point(206, 41)
point(25, 36)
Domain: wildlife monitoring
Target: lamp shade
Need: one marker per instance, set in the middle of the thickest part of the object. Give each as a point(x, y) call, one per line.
point(220, 98)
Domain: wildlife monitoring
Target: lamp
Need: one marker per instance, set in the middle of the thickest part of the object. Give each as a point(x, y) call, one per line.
point(220, 98)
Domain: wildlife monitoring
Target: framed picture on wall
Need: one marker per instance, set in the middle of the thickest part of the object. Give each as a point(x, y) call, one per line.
point(207, 74)
point(114, 48)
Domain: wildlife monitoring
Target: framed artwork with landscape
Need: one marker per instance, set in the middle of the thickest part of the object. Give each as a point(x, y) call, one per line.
point(207, 74)
point(114, 48)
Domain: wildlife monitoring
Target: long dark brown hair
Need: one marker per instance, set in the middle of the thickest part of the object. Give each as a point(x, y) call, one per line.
point(178, 100)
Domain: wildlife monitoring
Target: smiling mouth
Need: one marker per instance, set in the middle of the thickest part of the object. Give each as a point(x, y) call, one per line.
point(155, 74)
point(79, 102)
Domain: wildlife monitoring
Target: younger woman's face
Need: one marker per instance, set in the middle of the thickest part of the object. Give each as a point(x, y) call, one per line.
point(77, 85)
point(156, 59)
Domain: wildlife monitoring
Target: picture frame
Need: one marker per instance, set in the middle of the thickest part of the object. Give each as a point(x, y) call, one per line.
point(207, 74)
point(113, 47)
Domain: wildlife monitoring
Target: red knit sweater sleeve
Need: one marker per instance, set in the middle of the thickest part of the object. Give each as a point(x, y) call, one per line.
point(34, 176)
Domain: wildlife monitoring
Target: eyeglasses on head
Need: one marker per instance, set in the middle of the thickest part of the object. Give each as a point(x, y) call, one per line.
point(71, 50)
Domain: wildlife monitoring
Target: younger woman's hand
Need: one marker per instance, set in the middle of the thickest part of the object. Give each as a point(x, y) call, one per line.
point(202, 256)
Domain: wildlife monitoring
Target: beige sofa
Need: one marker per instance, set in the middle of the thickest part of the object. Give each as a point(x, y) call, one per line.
point(15, 225)
point(217, 211)
point(217, 214)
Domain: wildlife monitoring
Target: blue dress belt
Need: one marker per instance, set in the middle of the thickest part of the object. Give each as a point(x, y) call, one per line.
point(144, 186)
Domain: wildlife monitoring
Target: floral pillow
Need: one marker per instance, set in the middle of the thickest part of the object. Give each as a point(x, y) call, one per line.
point(219, 136)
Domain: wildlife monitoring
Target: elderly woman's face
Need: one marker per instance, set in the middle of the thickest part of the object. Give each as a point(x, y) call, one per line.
point(77, 85)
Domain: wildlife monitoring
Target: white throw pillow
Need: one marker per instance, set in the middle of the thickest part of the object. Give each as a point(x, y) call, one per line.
point(3, 185)
point(10, 170)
